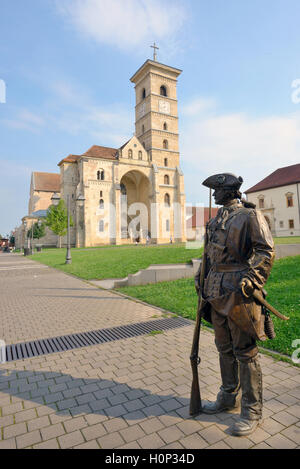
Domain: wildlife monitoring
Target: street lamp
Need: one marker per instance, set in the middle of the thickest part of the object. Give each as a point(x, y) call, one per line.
point(80, 200)
point(55, 199)
point(26, 250)
point(68, 255)
point(79, 220)
point(32, 238)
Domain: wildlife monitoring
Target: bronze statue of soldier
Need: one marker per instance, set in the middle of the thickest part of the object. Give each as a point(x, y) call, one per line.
point(239, 258)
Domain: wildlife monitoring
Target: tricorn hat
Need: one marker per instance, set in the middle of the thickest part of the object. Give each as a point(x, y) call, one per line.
point(224, 180)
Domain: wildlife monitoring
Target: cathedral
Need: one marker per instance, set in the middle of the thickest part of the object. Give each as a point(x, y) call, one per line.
point(131, 194)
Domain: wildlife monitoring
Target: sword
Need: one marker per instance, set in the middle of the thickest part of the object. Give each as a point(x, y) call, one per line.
point(259, 297)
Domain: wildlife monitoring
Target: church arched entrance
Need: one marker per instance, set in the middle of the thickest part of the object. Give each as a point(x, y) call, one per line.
point(135, 206)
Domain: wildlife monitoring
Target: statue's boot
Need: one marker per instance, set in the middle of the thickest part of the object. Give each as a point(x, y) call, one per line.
point(252, 402)
point(228, 397)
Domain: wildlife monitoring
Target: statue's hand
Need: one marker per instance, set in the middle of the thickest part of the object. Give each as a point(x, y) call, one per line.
point(246, 287)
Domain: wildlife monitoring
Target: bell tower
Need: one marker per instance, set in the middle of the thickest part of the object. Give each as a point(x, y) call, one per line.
point(156, 127)
point(156, 112)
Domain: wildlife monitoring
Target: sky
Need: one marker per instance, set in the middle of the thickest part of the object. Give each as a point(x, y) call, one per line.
point(65, 67)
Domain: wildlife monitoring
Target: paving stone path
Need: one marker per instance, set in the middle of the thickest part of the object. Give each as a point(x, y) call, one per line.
point(131, 393)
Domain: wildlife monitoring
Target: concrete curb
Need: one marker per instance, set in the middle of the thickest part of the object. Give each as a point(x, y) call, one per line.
point(152, 274)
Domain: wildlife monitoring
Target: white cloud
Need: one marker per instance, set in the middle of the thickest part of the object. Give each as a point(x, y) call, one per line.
point(125, 23)
point(104, 127)
point(25, 120)
point(252, 147)
point(71, 109)
point(198, 106)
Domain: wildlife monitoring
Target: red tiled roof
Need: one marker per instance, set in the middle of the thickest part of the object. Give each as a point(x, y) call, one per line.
point(200, 216)
point(101, 152)
point(95, 151)
point(280, 177)
point(46, 182)
point(69, 159)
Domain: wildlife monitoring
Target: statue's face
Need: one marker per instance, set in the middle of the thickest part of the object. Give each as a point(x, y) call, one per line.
point(222, 196)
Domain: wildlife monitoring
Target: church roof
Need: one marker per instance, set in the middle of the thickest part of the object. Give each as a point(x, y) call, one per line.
point(39, 213)
point(97, 151)
point(281, 177)
point(69, 159)
point(46, 182)
point(156, 64)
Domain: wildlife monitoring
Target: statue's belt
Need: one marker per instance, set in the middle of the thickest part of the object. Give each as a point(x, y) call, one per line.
point(229, 267)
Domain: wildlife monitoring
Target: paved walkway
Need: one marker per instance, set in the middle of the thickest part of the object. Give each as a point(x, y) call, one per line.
point(131, 393)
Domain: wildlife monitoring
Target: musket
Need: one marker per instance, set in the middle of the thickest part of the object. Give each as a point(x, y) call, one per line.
point(195, 401)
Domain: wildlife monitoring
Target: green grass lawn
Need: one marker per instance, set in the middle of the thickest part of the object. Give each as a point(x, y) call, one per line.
point(287, 240)
point(283, 289)
point(115, 261)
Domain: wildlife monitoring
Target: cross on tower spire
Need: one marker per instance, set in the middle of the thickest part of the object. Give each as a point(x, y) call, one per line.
point(155, 48)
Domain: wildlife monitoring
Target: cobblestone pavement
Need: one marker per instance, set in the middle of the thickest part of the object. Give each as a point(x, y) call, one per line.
point(131, 393)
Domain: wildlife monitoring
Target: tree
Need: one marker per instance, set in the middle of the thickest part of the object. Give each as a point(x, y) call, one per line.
point(39, 231)
point(57, 219)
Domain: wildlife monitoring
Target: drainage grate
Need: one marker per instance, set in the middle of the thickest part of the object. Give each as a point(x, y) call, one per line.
point(36, 348)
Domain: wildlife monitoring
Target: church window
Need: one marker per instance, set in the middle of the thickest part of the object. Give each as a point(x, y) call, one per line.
point(165, 126)
point(261, 203)
point(140, 155)
point(143, 93)
point(101, 193)
point(167, 225)
point(167, 200)
point(101, 226)
point(291, 224)
point(130, 154)
point(143, 129)
point(165, 144)
point(101, 204)
point(100, 175)
point(163, 91)
point(166, 179)
point(166, 161)
point(144, 144)
point(289, 201)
